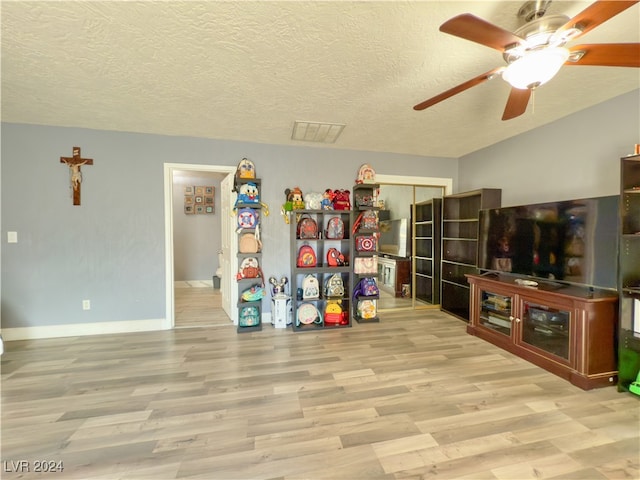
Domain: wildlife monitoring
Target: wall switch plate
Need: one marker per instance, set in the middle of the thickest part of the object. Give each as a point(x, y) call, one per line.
point(86, 304)
point(12, 237)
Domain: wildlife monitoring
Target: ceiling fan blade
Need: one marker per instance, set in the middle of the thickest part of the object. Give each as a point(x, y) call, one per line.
point(607, 55)
point(477, 30)
point(596, 14)
point(516, 104)
point(458, 89)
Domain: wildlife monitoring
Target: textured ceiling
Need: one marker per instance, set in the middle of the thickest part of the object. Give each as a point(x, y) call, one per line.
point(247, 70)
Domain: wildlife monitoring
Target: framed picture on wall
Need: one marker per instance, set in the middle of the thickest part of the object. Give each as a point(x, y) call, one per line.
point(199, 199)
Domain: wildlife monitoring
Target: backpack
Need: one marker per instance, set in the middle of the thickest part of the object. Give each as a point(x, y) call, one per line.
point(307, 314)
point(248, 193)
point(334, 287)
point(333, 314)
point(310, 287)
point(307, 228)
point(366, 243)
point(367, 309)
point(366, 174)
point(249, 317)
point(335, 258)
point(313, 201)
point(341, 200)
point(335, 229)
point(306, 256)
point(250, 242)
point(249, 268)
point(364, 199)
point(367, 220)
point(366, 265)
point(247, 218)
point(366, 287)
point(246, 169)
point(253, 294)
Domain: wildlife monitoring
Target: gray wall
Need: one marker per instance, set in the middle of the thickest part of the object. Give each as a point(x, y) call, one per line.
point(111, 248)
point(575, 157)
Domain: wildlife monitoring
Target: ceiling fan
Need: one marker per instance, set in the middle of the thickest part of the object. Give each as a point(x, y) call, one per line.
point(535, 52)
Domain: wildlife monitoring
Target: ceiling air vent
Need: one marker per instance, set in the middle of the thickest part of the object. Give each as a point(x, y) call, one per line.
point(316, 132)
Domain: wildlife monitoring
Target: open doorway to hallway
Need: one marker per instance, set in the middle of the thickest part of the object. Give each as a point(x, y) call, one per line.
point(198, 287)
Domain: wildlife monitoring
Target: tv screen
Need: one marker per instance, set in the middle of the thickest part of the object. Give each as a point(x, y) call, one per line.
point(573, 241)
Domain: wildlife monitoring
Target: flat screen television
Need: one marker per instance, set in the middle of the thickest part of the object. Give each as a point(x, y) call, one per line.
point(573, 241)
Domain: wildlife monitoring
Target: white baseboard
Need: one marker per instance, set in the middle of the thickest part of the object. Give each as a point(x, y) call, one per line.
point(82, 329)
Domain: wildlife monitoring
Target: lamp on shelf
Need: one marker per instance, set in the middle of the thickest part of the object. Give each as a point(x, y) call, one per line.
point(535, 67)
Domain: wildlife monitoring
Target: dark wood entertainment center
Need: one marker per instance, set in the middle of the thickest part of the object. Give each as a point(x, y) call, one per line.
point(568, 330)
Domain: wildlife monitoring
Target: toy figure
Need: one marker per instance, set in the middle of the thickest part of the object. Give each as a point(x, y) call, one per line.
point(327, 200)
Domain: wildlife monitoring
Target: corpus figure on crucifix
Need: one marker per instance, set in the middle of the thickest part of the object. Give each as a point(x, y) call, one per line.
point(74, 163)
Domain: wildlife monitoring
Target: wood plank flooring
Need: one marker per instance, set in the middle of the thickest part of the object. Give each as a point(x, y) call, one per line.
point(411, 397)
point(198, 304)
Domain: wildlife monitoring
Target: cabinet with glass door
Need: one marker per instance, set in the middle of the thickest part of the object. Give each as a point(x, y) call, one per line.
point(567, 330)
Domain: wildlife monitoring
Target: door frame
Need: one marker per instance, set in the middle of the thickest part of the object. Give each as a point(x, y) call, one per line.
point(169, 168)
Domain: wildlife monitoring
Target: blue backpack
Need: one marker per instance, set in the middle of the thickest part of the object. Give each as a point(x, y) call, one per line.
point(366, 287)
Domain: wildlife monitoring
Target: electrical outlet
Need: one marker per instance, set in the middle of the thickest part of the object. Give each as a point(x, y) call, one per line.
point(86, 304)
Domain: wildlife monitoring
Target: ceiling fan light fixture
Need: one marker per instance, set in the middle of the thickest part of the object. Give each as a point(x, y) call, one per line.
point(535, 68)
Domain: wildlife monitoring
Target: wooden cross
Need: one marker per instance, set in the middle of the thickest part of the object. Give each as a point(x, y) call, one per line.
point(74, 163)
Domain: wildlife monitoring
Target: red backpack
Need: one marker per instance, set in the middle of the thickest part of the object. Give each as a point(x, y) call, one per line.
point(335, 258)
point(307, 228)
point(341, 200)
point(306, 256)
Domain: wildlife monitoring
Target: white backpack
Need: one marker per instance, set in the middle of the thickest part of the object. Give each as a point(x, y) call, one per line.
point(310, 287)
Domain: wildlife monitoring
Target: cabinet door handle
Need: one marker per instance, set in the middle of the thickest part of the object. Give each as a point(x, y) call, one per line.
point(512, 318)
point(518, 320)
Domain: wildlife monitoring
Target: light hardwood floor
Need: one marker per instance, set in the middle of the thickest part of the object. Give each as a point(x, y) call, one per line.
point(198, 304)
point(412, 397)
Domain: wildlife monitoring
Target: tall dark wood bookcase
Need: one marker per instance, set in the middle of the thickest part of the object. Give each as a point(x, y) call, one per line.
point(629, 272)
point(460, 219)
point(426, 236)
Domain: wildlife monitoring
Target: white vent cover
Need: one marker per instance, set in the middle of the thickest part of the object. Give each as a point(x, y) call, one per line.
point(316, 131)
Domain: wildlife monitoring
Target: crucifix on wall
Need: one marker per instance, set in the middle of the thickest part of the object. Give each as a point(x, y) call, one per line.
point(74, 163)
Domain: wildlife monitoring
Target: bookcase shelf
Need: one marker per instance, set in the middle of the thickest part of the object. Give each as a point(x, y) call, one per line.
point(460, 218)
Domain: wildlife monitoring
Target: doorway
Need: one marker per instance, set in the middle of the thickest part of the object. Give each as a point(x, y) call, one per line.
point(397, 262)
point(192, 300)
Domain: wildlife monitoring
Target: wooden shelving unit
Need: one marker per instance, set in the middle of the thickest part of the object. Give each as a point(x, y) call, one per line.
point(460, 220)
point(426, 250)
point(629, 272)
